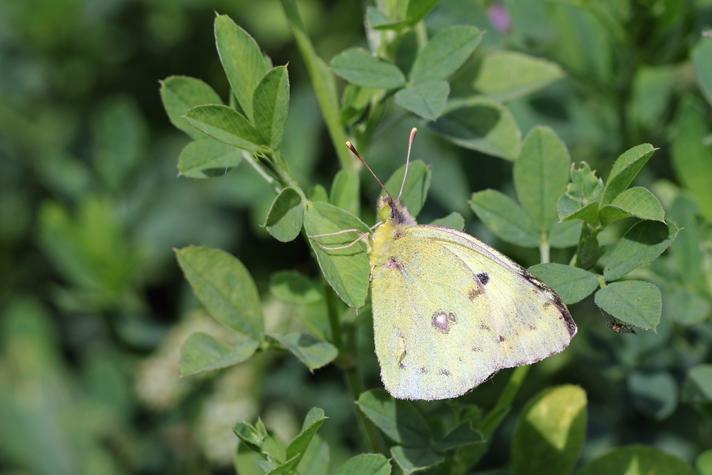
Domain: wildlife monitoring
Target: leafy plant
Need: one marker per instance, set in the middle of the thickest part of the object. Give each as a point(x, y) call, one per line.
point(560, 205)
point(572, 136)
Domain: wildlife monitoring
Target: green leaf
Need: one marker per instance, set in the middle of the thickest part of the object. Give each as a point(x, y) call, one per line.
point(588, 250)
point(415, 11)
point(505, 218)
point(202, 352)
point(247, 460)
point(653, 87)
point(292, 287)
point(686, 250)
point(318, 193)
point(358, 66)
point(654, 394)
point(636, 460)
point(415, 459)
point(378, 20)
point(415, 190)
point(271, 104)
point(315, 460)
point(399, 420)
point(550, 432)
point(298, 447)
point(482, 125)
point(698, 384)
point(565, 234)
point(640, 246)
point(571, 283)
point(541, 173)
point(580, 201)
point(224, 287)
point(426, 99)
point(206, 158)
point(119, 139)
point(286, 215)
point(505, 75)
point(226, 125)
point(686, 307)
point(702, 61)
point(704, 462)
point(345, 191)
point(636, 202)
point(312, 423)
point(461, 436)
point(254, 436)
point(182, 93)
point(444, 53)
point(625, 169)
point(345, 269)
point(585, 186)
point(634, 302)
point(242, 60)
point(569, 210)
point(366, 464)
point(312, 352)
point(691, 156)
point(453, 220)
point(354, 102)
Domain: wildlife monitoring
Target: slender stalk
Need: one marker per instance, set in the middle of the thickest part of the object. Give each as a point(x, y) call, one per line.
point(495, 416)
point(544, 248)
point(247, 156)
point(323, 83)
point(347, 363)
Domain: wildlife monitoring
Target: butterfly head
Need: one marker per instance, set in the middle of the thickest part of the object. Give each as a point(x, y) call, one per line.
point(393, 211)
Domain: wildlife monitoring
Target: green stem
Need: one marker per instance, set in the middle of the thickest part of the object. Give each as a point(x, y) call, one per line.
point(247, 156)
point(544, 248)
point(333, 315)
point(323, 83)
point(500, 409)
point(347, 363)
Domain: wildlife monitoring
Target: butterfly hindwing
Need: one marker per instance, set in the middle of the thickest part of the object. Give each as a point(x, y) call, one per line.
point(450, 311)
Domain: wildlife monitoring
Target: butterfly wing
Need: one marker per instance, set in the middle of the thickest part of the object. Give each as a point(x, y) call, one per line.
point(449, 311)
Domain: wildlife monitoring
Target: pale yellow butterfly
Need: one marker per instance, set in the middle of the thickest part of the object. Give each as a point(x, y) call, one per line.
point(448, 310)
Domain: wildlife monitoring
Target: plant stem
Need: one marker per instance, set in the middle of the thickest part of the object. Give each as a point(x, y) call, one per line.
point(332, 312)
point(544, 248)
point(247, 156)
point(347, 363)
point(495, 416)
point(323, 83)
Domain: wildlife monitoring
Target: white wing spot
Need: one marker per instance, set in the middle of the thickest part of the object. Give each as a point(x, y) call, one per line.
point(441, 321)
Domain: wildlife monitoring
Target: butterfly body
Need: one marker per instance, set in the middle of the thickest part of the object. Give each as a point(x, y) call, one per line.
point(449, 311)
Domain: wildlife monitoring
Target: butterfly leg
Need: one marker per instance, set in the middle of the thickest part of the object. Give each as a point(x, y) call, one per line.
point(335, 233)
point(343, 231)
point(346, 246)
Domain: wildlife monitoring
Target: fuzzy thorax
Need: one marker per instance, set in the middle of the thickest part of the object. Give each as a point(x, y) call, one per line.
point(395, 217)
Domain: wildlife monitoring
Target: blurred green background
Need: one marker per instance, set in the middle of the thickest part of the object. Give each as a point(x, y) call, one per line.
point(93, 305)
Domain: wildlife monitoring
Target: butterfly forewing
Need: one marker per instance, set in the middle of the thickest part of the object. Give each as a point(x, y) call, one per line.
point(450, 311)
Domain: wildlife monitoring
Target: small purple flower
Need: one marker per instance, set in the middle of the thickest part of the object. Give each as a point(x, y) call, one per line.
point(499, 17)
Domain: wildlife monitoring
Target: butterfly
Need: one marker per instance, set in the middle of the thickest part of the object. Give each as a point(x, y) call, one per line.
point(450, 311)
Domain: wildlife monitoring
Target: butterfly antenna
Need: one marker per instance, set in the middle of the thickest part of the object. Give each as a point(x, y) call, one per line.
point(411, 139)
point(353, 150)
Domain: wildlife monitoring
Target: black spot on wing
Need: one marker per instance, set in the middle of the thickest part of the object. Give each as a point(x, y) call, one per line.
point(483, 277)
